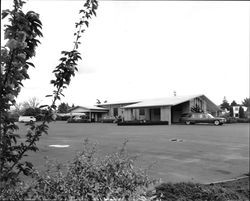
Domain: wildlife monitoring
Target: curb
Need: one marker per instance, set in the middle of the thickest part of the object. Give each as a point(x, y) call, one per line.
point(228, 180)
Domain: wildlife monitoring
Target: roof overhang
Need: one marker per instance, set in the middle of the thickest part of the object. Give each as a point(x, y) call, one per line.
point(171, 101)
point(80, 109)
point(160, 102)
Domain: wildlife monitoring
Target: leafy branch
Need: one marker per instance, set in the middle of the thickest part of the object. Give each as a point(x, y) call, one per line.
point(21, 35)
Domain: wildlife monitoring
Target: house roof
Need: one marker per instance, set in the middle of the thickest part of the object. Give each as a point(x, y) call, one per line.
point(79, 109)
point(119, 103)
point(171, 101)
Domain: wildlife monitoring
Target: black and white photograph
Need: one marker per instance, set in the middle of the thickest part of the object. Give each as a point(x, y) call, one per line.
point(124, 100)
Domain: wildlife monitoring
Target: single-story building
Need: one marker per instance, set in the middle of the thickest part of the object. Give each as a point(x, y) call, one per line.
point(115, 109)
point(161, 109)
point(93, 113)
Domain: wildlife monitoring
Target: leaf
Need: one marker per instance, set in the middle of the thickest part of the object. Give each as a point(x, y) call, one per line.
point(87, 23)
point(5, 13)
point(29, 164)
point(63, 59)
point(42, 106)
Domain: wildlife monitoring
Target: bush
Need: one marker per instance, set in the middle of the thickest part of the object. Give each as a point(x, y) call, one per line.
point(71, 120)
point(62, 118)
point(237, 120)
point(243, 120)
point(88, 177)
point(141, 122)
point(107, 120)
point(230, 120)
point(194, 192)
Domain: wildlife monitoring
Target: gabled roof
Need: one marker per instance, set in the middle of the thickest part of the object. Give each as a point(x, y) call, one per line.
point(87, 109)
point(171, 101)
point(167, 101)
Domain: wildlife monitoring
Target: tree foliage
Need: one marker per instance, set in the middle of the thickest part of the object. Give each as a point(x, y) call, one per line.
point(22, 35)
point(63, 108)
point(231, 111)
point(233, 103)
point(225, 104)
point(196, 108)
point(32, 111)
point(246, 102)
point(31, 103)
point(241, 112)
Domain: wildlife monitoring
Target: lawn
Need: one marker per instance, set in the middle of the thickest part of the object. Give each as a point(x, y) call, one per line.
point(197, 153)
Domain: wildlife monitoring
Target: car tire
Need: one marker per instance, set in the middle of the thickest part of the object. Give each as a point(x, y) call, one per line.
point(216, 123)
point(188, 122)
point(31, 121)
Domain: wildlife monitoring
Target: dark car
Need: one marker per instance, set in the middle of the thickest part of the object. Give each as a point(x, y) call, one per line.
point(193, 118)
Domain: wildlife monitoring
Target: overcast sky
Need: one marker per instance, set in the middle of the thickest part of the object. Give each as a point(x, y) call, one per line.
point(145, 49)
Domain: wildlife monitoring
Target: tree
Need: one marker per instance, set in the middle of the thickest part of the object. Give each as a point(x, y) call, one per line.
point(63, 108)
point(22, 34)
point(233, 103)
point(32, 111)
point(246, 102)
point(31, 103)
point(241, 112)
point(18, 109)
point(196, 108)
point(231, 111)
point(225, 104)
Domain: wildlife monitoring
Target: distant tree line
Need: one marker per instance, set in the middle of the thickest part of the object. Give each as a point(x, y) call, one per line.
point(31, 107)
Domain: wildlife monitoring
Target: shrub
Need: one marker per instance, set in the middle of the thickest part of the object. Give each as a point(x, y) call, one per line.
point(107, 120)
point(237, 120)
point(88, 177)
point(243, 120)
point(71, 120)
point(141, 122)
point(62, 118)
point(230, 120)
point(194, 192)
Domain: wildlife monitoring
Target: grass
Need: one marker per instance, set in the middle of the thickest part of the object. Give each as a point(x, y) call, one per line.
point(200, 153)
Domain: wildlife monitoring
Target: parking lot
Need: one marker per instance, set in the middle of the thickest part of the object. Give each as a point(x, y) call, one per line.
point(198, 153)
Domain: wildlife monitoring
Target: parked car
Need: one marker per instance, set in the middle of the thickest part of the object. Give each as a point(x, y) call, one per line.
point(26, 119)
point(193, 118)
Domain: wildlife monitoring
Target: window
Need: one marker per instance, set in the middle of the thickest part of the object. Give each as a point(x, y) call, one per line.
point(210, 116)
point(141, 111)
point(115, 110)
point(197, 116)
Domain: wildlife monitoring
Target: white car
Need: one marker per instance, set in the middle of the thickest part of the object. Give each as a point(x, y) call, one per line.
point(27, 119)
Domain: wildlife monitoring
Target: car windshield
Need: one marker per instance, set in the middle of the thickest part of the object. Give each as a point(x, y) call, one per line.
point(210, 116)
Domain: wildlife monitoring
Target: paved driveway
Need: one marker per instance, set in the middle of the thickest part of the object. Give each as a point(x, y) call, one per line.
point(199, 153)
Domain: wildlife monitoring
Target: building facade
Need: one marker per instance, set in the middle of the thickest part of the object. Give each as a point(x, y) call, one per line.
point(163, 109)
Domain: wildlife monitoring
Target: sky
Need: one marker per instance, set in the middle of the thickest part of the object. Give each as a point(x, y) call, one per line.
point(137, 50)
